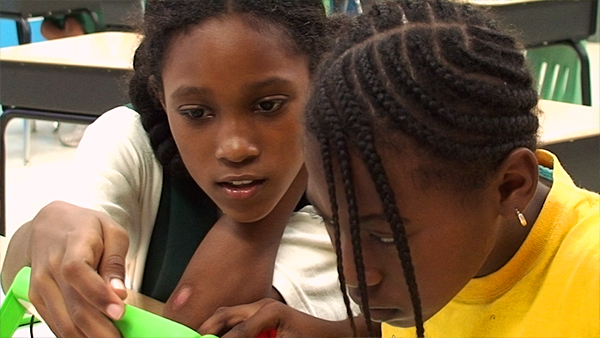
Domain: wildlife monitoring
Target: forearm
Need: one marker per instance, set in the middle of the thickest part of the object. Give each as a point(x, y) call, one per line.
point(227, 269)
point(16, 255)
point(234, 263)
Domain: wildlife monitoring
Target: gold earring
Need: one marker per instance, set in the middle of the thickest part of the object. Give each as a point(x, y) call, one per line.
point(521, 217)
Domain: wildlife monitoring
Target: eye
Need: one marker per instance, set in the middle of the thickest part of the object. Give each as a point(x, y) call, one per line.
point(382, 239)
point(269, 105)
point(195, 112)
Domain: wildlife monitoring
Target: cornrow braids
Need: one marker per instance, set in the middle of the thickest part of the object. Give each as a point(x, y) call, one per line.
point(345, 102)
point(306, 29)
point(442, 73)
point(328, 167)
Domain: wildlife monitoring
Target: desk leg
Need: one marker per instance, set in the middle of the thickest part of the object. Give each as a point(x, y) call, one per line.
point(5, 117)
point(26, 141)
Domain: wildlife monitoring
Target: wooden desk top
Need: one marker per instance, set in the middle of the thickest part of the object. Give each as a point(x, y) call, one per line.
point(113, 50)
point(563, 122)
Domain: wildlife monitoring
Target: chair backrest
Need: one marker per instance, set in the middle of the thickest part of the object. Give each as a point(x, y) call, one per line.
point(557, 70)
point(122, 14)
point(30, 8)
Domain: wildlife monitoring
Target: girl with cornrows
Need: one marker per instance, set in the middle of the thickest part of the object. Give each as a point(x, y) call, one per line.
point(204, 174)
point(422, 160)
point(422, 156)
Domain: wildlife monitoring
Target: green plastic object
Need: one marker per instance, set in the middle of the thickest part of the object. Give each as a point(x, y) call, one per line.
point(136, 322)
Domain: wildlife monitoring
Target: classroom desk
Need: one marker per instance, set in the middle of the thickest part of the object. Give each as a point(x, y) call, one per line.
point(564, 122)
point(66, 80)
point(82, 75)
point(572, 132)
point(541, 22)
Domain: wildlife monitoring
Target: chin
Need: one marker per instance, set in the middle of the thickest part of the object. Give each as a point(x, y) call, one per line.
point(403, 323)
point(247, 215)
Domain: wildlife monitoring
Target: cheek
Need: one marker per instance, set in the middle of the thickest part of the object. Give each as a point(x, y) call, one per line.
point(286, 143)
point(445, 258)
point(192, 146)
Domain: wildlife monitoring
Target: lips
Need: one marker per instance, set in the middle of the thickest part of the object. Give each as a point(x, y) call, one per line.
point(241, 188)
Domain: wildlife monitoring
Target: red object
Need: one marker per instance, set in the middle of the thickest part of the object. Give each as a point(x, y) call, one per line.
point(272, 333)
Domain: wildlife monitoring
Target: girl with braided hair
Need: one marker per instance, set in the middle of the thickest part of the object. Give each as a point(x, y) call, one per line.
point(423, 161)
point(195, 194)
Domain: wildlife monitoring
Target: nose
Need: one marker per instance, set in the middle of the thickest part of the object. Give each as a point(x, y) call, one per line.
point(235, 143)
point(373, 275)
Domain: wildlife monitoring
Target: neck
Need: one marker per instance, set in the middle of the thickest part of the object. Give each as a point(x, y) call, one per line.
point(513, 234)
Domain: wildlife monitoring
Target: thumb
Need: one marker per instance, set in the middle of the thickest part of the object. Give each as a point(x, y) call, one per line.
point(112, 263)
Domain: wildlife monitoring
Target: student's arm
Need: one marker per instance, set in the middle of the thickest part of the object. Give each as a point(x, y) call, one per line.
point(74, 256)
point(234, 263)
point(74, 251)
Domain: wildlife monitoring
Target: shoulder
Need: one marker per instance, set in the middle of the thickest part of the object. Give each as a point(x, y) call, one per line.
point(118, 119)
point(306, 222)
point(116, 126)
point(305, 241)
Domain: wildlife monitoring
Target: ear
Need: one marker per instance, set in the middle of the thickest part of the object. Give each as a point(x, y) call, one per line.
point(156, 88)
point(517, 181)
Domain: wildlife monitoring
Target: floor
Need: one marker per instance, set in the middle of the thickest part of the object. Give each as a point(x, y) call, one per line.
point(31, 187)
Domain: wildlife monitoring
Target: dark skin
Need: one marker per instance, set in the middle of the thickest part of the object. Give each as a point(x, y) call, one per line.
point(79, 254)
point(251, 319)
point(515, 184)
point(243, 102)
point(453, 237)
point(72, 244)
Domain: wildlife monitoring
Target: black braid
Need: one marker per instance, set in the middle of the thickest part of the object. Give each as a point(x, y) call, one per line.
point(366, 144)
point(328, 168)
point(345, 102)
point(304, 22)
point(440, 72)
point(362, 127)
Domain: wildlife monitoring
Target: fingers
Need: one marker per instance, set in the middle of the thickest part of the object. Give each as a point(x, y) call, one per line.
point(48, 301)
point(268, 318)
point(112, 264)
point(103, 269)
point(76, 320)
point(78, 270)
point(242, 321)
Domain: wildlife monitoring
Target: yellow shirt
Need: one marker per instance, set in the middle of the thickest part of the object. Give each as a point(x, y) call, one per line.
point(550, 288)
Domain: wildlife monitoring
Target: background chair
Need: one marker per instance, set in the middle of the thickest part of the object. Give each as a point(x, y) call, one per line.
point(553, 33)
point(557, 69)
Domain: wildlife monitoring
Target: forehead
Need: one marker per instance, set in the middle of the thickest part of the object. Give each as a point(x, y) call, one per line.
point(399, 160)
point(232, 35)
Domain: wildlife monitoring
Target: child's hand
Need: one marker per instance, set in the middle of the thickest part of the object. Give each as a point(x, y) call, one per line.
point(77, 258)
point(269, 315)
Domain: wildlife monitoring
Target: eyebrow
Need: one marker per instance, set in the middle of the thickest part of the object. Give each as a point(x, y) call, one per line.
point(255, 86)
point(189, 90)
point(272, 81)
point(361, 219)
